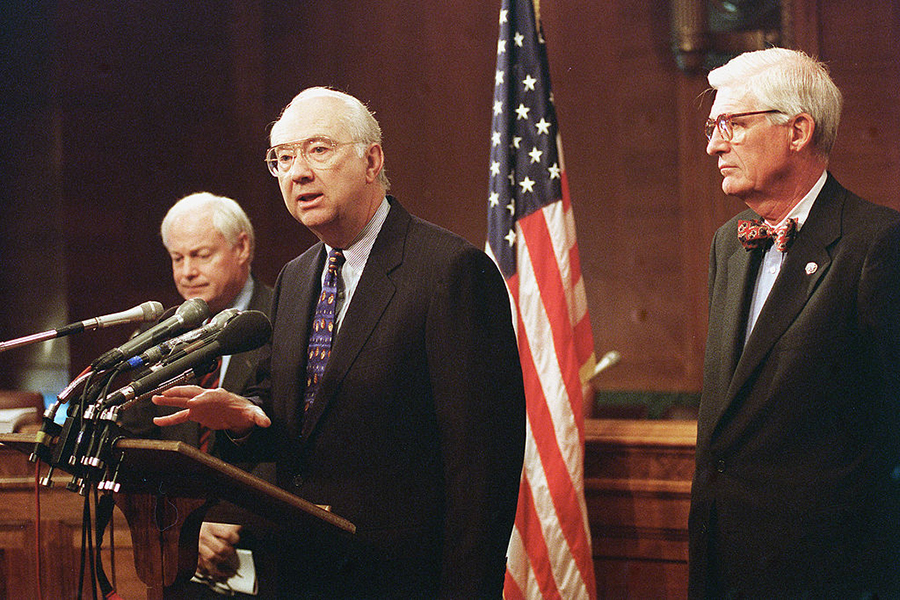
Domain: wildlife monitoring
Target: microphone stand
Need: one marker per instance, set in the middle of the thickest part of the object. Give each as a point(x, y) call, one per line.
point(30, 339)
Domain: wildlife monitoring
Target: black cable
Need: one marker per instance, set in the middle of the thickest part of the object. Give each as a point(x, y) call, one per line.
point(85, 528)
point(103, 514)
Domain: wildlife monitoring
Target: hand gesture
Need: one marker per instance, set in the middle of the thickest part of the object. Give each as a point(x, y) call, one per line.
point(213, 408)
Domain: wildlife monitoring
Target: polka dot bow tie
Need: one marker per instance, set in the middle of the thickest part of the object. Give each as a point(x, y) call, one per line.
point(757, 234)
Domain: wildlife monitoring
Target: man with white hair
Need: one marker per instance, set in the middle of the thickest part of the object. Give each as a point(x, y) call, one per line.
point(795, 492)
point(211, 244)
point(392, 392)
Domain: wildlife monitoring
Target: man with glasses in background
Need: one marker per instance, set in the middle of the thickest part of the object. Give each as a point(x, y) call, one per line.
point(795, 493)
point(392, 392)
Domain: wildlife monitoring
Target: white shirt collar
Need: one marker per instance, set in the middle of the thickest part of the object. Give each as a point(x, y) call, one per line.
point(242, 300)
point(801, 210)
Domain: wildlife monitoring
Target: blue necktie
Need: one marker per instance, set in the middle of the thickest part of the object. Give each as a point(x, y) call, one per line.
point(319, 348)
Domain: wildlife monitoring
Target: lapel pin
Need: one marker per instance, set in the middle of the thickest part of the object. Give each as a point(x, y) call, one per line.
point(811, 268)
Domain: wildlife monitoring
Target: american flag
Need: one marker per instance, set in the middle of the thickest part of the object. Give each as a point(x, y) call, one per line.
point(531, 236)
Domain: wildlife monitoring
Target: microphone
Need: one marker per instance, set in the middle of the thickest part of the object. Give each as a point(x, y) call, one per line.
point(246, 331)
point(161, 351)
point(148, 311)
point(606, 361)
point(190, 314)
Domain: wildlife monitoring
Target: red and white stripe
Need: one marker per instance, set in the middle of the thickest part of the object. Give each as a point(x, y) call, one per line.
point(550, 549)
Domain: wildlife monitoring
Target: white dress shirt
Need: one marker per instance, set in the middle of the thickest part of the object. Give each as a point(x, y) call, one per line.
point(772, 259)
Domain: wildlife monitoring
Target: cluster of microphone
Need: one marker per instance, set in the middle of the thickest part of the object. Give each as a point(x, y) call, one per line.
point(175, 350)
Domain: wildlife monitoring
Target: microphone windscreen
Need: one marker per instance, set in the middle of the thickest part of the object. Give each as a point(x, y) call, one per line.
point(193, 311)
point(152, 310)
point(246, 331)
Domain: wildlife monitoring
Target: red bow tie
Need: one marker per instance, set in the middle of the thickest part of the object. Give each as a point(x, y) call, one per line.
point(757, 233)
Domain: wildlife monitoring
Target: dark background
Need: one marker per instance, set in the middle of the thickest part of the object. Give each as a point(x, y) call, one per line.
point(113, 110)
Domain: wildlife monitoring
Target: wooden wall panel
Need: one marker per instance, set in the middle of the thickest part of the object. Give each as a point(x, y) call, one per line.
point(139, 103)
point(637, 480)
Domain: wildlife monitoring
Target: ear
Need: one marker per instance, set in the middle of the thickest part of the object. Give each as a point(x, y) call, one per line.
point(802, 129)
point(243, 247)
point(374, 162)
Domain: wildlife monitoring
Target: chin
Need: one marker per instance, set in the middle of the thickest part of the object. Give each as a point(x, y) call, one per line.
point(191, 296)
point(732, 188)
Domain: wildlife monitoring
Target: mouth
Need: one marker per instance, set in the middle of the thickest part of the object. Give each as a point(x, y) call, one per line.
point(193, 290)
point(308, 198)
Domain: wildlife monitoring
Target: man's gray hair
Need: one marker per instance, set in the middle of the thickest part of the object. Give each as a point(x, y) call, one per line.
point(789, 81)
point(227, 215)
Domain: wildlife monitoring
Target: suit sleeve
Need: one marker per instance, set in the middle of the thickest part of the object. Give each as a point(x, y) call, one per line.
point(879, 312)
point(479, 399)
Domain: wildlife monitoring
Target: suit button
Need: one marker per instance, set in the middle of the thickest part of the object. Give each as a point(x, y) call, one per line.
point(298, 481)
point(720, 465)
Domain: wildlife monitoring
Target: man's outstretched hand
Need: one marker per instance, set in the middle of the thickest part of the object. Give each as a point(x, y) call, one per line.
point(213, 408)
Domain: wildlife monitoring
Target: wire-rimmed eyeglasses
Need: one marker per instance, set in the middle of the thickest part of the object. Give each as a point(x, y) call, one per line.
point(725, 126)
point(318, 152)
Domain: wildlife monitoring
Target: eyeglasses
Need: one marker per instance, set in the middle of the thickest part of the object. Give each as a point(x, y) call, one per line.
point(725, 126)
point(318, 152)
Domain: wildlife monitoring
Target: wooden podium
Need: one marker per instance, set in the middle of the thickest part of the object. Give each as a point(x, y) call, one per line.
point(166, 489)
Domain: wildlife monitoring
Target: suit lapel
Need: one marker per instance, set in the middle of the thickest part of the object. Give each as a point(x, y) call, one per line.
point(372, 296)
point(745, 266)
point(727, 343)
point(804, 266)
point(294, 314)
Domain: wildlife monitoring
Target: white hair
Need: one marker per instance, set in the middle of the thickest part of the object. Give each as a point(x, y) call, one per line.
point(790, 82)
point(227, 215)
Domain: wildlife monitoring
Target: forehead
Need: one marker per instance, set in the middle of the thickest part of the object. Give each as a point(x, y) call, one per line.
point(307, 118)
point(191, 231)
point(728, 100)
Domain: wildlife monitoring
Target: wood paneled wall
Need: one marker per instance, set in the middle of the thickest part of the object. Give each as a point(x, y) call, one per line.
point(114, 110)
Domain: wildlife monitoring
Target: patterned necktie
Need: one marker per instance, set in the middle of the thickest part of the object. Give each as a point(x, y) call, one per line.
point(758, 234)
point(319, 348)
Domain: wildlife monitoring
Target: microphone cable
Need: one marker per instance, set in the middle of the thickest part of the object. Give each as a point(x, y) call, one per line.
point(37, 530)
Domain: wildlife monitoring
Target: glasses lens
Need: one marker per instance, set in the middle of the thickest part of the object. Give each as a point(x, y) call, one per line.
point(280, 159)
point(723, 124)
point(272, 161)
point(319, 152)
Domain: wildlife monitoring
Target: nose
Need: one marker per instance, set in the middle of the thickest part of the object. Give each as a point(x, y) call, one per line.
point(716, 144)
point(300, 169)
point(188, 268)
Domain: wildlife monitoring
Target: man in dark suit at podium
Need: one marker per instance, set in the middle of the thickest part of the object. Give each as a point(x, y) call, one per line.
point(796, 491)
point(402, 407)
point(211, 243)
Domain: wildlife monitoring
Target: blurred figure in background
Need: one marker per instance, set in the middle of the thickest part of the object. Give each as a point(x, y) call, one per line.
point(211, 243)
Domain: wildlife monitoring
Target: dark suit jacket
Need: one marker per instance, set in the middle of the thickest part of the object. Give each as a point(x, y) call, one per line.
point(240, 375)
point(795, 493)
point(416, 434)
